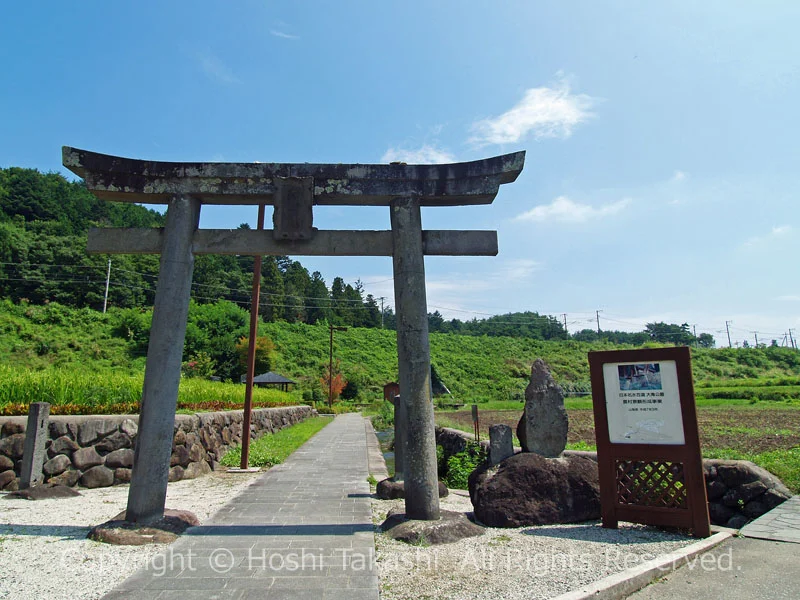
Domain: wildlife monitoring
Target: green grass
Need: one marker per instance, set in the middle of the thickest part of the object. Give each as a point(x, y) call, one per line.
point(273, 448)
point(73, 391)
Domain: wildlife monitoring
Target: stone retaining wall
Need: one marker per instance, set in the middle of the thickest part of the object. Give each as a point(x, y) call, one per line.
point(97, 451)
point(738, 490)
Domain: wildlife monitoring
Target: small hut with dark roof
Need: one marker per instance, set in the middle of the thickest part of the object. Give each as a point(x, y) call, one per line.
point(271, 379)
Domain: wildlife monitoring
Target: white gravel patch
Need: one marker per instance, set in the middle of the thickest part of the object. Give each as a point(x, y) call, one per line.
point(44, 552)
point(506, 564)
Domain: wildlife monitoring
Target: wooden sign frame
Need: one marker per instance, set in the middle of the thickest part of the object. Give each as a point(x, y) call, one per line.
point(656, 481)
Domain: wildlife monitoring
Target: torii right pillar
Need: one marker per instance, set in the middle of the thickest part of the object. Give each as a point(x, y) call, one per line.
point(414, 360)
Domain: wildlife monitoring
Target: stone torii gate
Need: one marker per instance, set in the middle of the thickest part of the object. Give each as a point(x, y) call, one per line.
point(293, 190)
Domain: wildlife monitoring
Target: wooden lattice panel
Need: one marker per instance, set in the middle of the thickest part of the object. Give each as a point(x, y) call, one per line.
point(651, 483)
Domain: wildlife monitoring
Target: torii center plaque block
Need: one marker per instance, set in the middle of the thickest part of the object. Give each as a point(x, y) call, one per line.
point(293, 190)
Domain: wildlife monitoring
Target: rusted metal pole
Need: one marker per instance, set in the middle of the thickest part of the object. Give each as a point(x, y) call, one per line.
point(414, 361)
point(251, 351)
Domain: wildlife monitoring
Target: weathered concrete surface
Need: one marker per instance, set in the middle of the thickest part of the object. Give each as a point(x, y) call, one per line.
point(544, 423)
point(148, 240)
point(131, 180)
point(163, 368)
point(34, 452)
point(414, 362)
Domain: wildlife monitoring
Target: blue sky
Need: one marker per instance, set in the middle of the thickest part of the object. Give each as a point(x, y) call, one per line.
point(661, 180)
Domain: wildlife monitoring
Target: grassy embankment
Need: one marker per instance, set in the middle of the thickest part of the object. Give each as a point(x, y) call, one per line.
point(273, 448)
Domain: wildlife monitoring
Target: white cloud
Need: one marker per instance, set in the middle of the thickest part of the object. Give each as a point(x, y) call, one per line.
point(567, 211)
point(678, 176)
point(215, 69)
point(789, 298)
point(777, 232)
point(543, 112)
point(426, 154)
point(283, 35)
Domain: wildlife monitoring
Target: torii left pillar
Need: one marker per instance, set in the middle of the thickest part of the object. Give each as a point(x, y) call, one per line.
point(148, 490)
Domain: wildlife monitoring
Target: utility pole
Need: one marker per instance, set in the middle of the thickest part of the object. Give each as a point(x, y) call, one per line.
point(694, 330)
point(330, 366)
point(382, 298)
point(597, 313)
point(792, 341)
point(108, 281)
point(728, 329)
point(565, 323)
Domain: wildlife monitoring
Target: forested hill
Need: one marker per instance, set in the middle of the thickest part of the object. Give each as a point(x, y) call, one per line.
point(43, 224)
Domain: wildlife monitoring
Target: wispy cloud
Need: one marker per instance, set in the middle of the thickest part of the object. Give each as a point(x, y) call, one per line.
point(777, 232)
point(426, 154)
point(543, 112)
point(215, 69)
point(678, 177)
point(568, 211)
point(282, 34)
point(789, 298)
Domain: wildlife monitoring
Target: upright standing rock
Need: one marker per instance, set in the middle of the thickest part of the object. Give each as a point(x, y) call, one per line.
point(501, 443)
point(36, 435)
point(544, 423)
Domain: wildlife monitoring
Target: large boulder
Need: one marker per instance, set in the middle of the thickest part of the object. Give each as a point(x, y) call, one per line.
point(529, 489)
point(544, 423)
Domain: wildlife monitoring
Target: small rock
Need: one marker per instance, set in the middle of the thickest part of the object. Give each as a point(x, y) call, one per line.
point(68, 478)
point(743, 494)
point(716, 489)
point(754, 509)
point(85, 458)
point(6, 477)
point(180, 438)
point(113, 442)
point(56, 465)
point(62, 445)
point(13, 445)
point(737, 522)
point(98, 476)
point(196, 469)
point(196, 453)
point(129, 428)
point(180, 456)
point(47, 491)
point(10, 428)
point(389, 489)
point(122, 475)
point(91, 431)
point(5, 463)
point(120, 458)
point(58, 428)
point(719, 513)
point(175, 473)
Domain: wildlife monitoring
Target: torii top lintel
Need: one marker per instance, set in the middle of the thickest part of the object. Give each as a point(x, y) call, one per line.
point(152, 182)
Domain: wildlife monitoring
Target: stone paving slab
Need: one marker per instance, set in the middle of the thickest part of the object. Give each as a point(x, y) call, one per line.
point(781, 524)
point(301, 530)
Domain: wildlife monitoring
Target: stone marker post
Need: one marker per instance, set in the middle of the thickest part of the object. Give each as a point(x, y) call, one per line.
point(33, 454)
point(148, 491)
point(414, 362)
point(400, 437)
point(501, 443)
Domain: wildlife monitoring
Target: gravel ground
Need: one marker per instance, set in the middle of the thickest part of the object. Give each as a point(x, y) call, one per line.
point(44, 552)
point(523, 563)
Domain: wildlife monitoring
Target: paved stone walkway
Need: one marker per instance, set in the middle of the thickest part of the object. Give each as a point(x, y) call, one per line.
point(302, 530)
point(781, 524)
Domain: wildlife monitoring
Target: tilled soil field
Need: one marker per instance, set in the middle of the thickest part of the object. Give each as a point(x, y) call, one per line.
point(748, 430)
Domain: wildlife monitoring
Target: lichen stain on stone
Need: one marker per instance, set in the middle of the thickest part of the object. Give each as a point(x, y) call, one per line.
point(358, 172)
point(338, 186)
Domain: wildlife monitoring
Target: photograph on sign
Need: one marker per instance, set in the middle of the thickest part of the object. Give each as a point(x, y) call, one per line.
point(643, 403)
